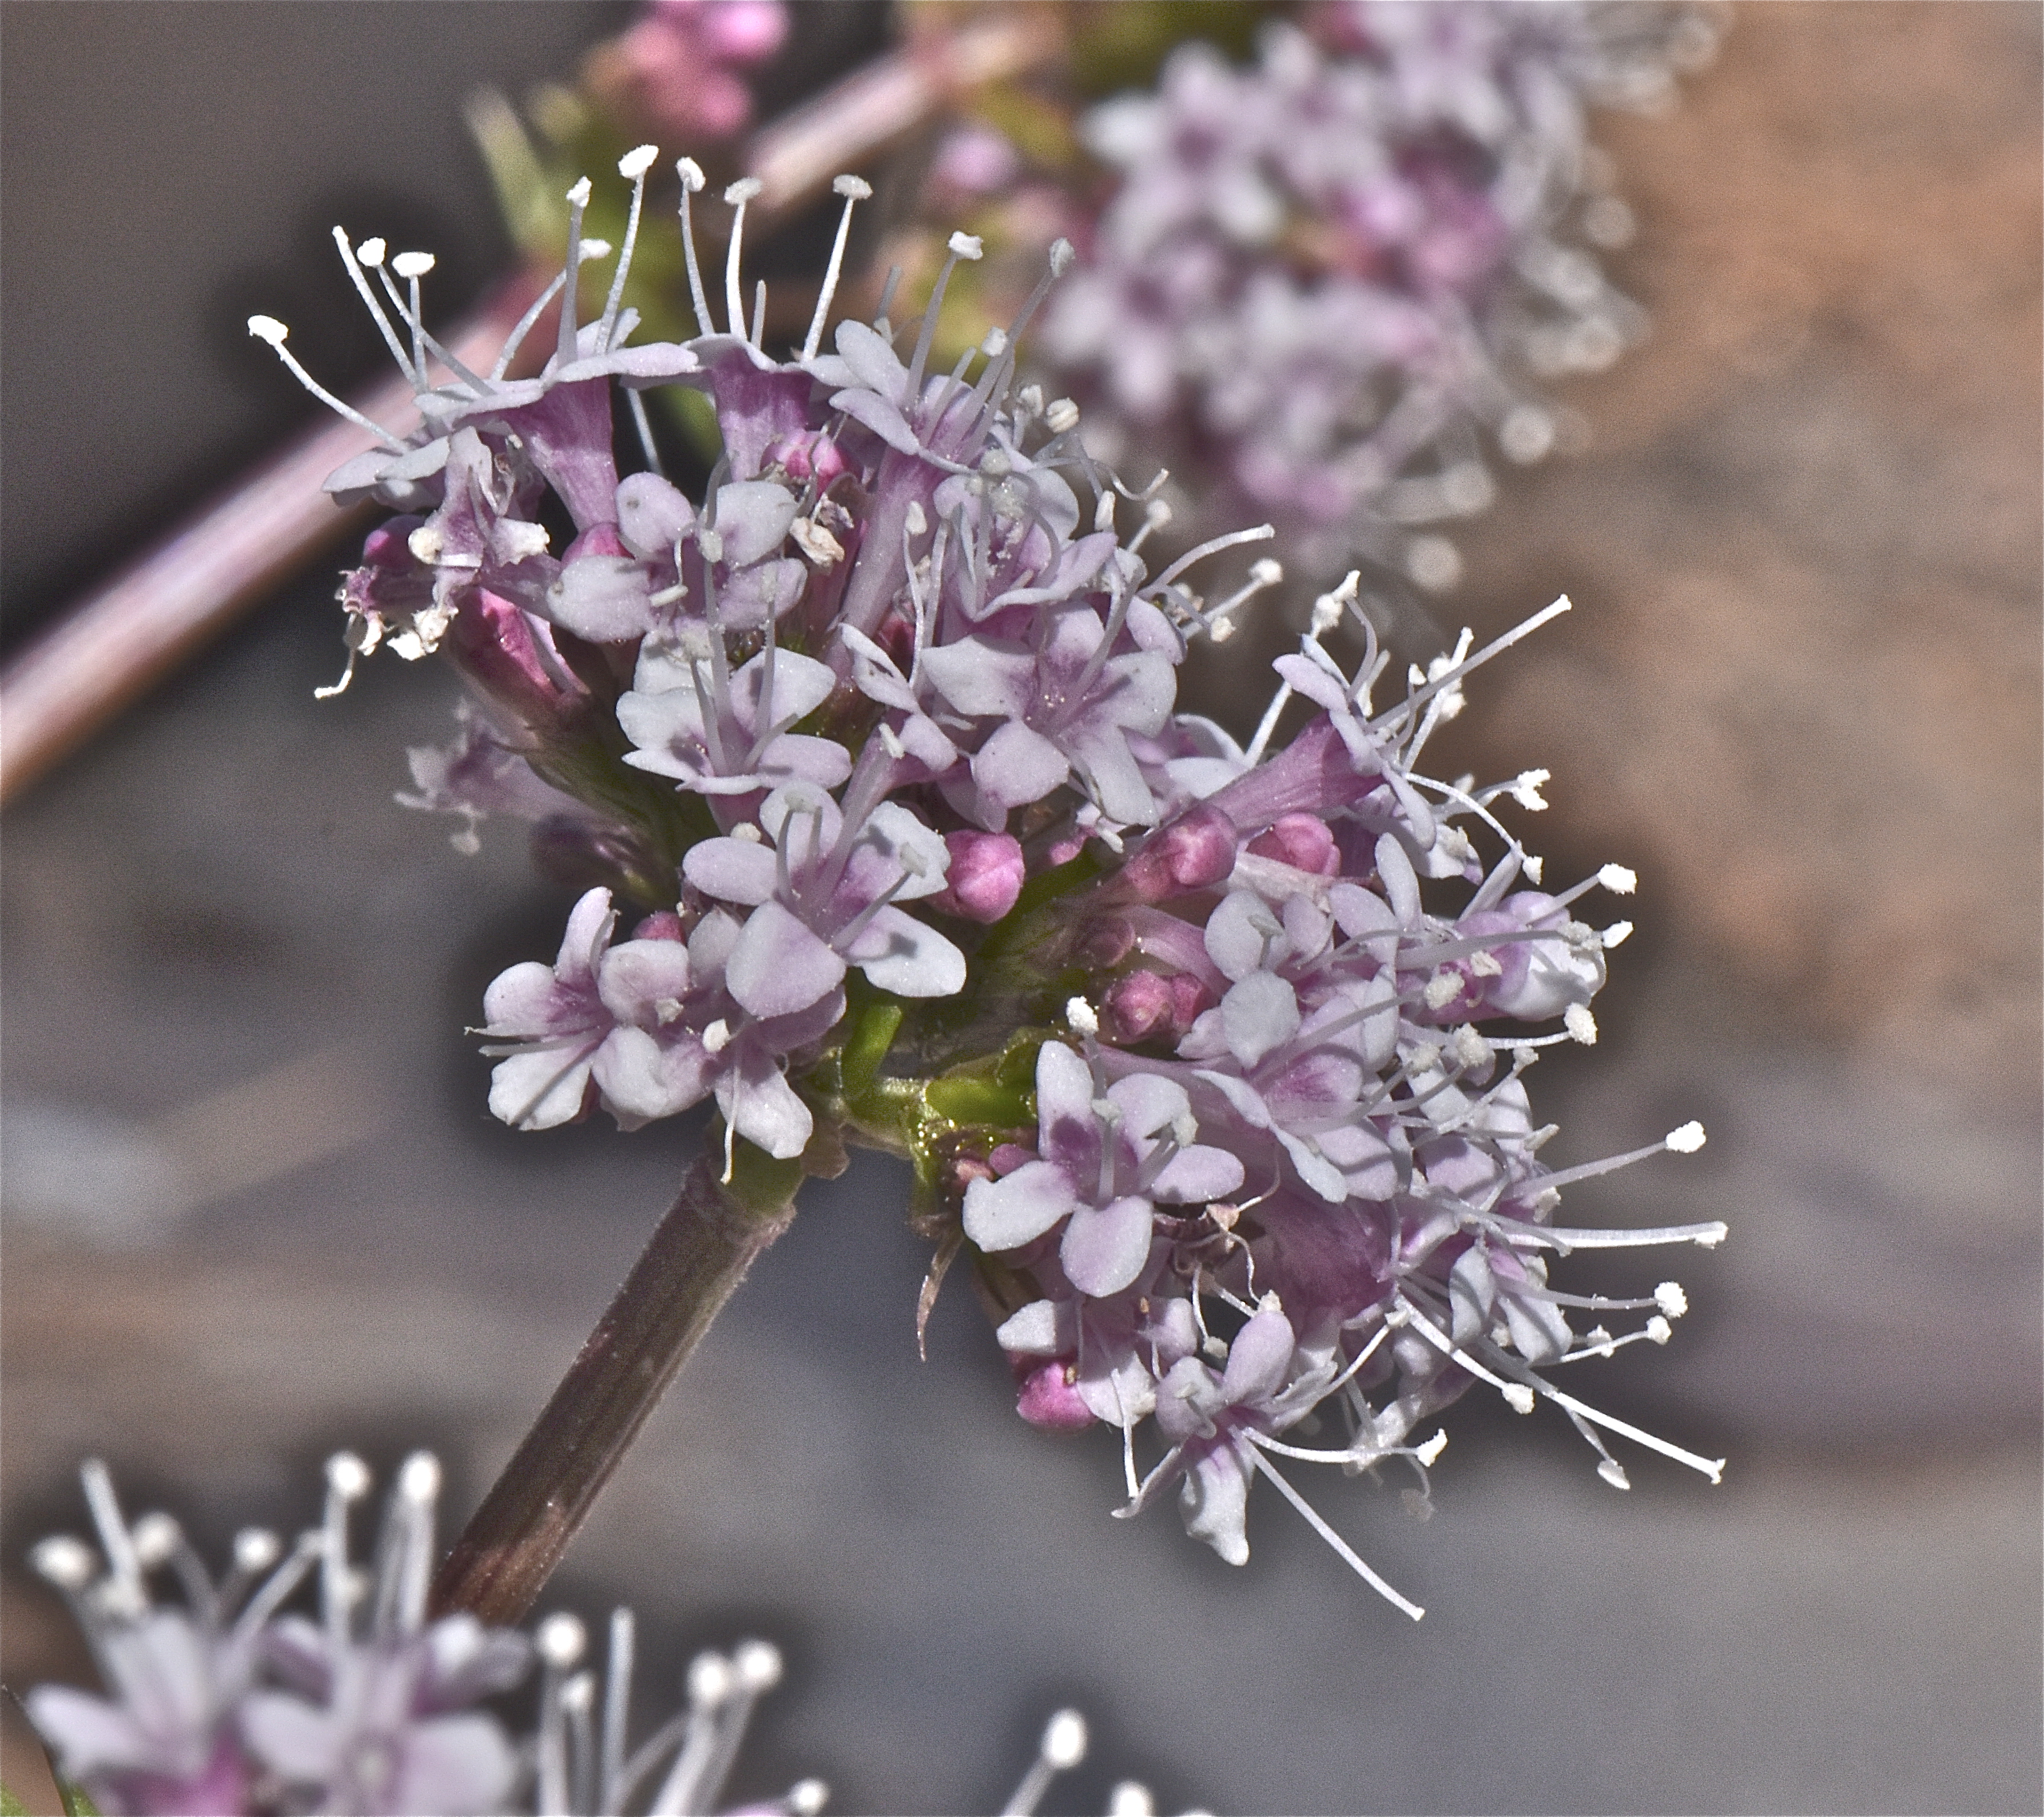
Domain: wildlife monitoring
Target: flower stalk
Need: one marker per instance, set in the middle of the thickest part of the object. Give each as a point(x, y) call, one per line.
point(697, 1255)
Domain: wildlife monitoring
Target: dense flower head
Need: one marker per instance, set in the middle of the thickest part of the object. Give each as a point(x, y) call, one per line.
point(227, 1703)
point(1210, 1055)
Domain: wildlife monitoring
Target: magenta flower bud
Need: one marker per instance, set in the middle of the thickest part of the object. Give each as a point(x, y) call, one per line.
point(597, 540)
point(663, 924)
point(1304, 841)
point(985, 876)
point(1048, 1397)
point(1139, 1006)
point(1195, 851)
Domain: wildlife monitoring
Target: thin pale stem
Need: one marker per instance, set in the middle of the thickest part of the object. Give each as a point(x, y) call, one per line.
point(696, 1257)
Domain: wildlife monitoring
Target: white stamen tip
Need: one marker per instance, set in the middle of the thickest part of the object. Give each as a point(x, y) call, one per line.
point(807, 1797)
point(412, 264)
point(1062, 257)
point(1429, 1453)
point(419, 1479)
point(1063, 414)
point(1658, 1330)
point(579, 195)
point(855, 189)
point(1130, 1800)
point(1617, 880)
point(749, 833)
point(256, 1549)
point(716, 1037)
point(1670, 1298)
point(637, 161)
point(1327, 614)
point(1064, 1743)
point(371, 251)
point(758, 1663)
point(1533, 864)
point(560, 1640)
point(743, 190)
point(1079, 1013)
point(967, 245)
point(1613, 1472)
point(592, 248)
point(578, 1694)
point(710, 1681)
point(994, 343)
point(1616, 935)
point(64, 1562)
point(691, 173)
point(1266, 572)
point(269, 328)
point(156, 1537)
point(1518, 1397)
point(1687, 1139)
point(348, 1476)
point(914, 519)
point(1581, 1024)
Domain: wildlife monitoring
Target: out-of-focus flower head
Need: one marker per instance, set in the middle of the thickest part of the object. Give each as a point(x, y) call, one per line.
point(1210, 1055)
point(226, 1703)
point(677, 71)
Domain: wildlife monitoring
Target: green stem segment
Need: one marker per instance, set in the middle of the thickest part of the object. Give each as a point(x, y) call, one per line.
point(696, 1257)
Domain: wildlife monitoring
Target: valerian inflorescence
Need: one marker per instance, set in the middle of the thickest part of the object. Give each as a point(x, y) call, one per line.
point(1211, 1056)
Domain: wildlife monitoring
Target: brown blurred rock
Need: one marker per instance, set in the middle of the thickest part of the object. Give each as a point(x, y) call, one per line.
point(1801, 691)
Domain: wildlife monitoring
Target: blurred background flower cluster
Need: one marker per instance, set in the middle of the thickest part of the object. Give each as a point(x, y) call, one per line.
point(1726, 322)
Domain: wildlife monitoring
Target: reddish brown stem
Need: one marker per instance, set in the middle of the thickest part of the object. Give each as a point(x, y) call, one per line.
point(699, 1253)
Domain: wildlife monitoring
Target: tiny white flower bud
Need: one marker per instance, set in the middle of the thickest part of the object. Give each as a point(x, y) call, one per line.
point(1064, 1743)
point(1617, 880)
point(1687, 1139)
point(638, 161)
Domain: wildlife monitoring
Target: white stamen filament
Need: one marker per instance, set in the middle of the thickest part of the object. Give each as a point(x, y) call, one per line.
point(854, 190)
point(737, 195)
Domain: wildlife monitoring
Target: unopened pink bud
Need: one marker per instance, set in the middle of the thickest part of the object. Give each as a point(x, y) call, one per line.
point(1139, 1008)
point(984, 877)
point(662, 924)
point(1195, 851)
point(597, 540)
point(1049, 1397)
point(1304, 841)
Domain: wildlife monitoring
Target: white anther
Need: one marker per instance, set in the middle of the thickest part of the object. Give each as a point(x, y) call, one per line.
point(1442, 989)
point(347, 1476)
point(1079, 1013)
point(1220, 630)
point(412, 264)
point(1616, 935)
point(691, 173)
point(256, 1549)
point(745, 830)
point(371, 251)
point(913, 519)
point(1327, 614)
point(743, 190)
point(1130, 1799)
point(1429, 1453)
point(578, 1694)
point(1266, 572)
point(1613, 1472)
point(1062, 257)
point(269, 328)
point(711, 544)
point(1658, 1330)
point(1687, 1139)
point(1185, 1129)
point(1670, 1298)
point(666, 1010)
point(1064, 1743)
point(64, 1562)
point(1526, 790)
point(579, 195)
point(1532, 864)
point(710, 1681)
point(1063, 414)
point(1581, 1024)
point(637, 161)
point(808, 1796)
point(1029, 401)
point(857, 188)
point(1471, 1049)
point(419, 1479)
point(967, 245)
point(1485, 965)
point(758, 1664)
point(1617, 880)
point(1518, 1397)
point(426, 542)
point(716, 1037)
point(1270, 1303)
point(1103, 513)
point(994, 343)
point(560, 1640)
point(520, 540)
point(592, 247)
point(156, 1537)
point(816, 543)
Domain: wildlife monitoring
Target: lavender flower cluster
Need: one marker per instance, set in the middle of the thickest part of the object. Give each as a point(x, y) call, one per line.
point(1210, 1054)
point(226, 1702)
point(1326, 274)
